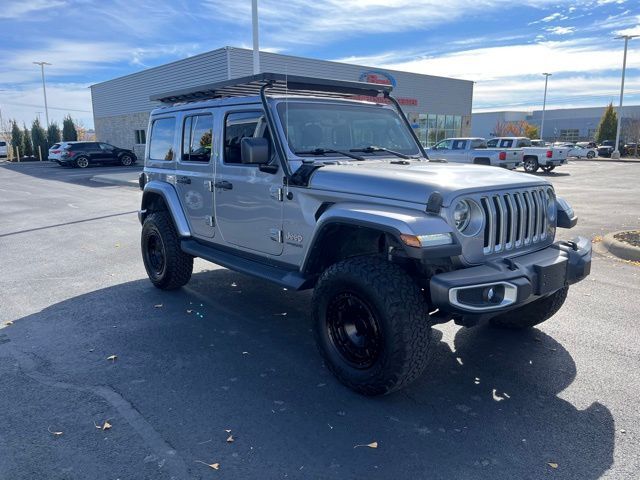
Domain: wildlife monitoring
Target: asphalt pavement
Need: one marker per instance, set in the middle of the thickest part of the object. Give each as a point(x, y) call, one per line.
point(85, 338)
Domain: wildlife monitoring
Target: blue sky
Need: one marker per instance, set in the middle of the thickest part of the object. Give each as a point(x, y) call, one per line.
point(504, 46)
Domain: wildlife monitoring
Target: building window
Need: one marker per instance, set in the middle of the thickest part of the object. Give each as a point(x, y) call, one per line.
point(432, 127)
point(161, 144)
point(141, 137)
point(569, 135)
point(197, 138)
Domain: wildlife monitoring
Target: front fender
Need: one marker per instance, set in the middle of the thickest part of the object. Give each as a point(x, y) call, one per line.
point(168, 193)
point(393, 220)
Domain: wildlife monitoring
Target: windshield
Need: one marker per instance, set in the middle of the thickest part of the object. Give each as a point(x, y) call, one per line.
point(335, 129)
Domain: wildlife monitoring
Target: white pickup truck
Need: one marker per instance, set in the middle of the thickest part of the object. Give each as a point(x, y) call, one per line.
point(474, 150)
point(543, 157)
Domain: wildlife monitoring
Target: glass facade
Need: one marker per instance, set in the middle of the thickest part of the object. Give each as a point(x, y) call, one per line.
point(431, 127)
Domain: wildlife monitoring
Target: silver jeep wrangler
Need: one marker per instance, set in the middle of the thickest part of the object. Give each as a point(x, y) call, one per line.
point(292, 180)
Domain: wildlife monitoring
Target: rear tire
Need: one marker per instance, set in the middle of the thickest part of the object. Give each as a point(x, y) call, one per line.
point(591, 155)
point(532, 314)
point(82, 162)
point(531, 164)
point(168, 267)
point(371, 325)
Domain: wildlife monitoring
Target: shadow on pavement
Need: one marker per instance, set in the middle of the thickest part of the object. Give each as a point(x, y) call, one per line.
point(231, 352)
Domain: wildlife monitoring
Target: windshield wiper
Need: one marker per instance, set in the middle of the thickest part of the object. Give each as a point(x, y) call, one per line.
point(373, 149)
point(322, 151)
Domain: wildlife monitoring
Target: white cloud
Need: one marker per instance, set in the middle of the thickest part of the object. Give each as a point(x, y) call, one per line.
point(560, 30)
point(20, 8)
point(554, 16)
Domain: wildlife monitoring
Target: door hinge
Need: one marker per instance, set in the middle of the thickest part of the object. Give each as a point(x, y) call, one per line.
point(276, 235)
point(209, 185)
point(276, 193)
point(211, 221)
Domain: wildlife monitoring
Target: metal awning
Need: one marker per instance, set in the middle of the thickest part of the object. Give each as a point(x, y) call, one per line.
point(279, 83)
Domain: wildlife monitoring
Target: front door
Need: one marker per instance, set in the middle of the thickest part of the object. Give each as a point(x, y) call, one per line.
point(248, 200)
point(194, 171)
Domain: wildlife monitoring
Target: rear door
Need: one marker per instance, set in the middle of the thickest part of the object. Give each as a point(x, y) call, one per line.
point(248, 199)
point(195, 171)
point(458, 152)
point(107, 152)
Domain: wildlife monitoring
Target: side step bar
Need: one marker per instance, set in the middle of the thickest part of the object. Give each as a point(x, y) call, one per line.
point(291, 279)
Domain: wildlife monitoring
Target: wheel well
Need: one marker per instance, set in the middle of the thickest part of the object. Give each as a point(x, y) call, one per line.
point(153, 202)
point(530, 156)
point(339, 241)
point(482, 161)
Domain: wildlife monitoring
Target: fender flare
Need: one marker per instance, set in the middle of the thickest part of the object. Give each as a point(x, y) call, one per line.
point(395, 221)
point(170, 197)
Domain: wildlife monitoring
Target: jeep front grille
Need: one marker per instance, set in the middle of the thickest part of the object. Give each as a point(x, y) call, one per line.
point(514, 220)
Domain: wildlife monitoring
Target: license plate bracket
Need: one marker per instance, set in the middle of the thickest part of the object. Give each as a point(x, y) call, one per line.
point(551, 276)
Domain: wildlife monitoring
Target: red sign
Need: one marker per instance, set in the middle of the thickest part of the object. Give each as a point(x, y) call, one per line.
point(401, 100)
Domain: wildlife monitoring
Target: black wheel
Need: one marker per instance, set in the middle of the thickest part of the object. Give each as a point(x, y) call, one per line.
point(533, 313)
point(126, 160)
point(547, 168)
point(82, 162)
point(371, 324)
point(530, 164)
point(168, 267)
point(591, 154)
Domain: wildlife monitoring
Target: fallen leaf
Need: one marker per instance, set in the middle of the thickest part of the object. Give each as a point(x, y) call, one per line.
point(230, 439)
point(215, 466)
point(112, 357)
point(228, 431)
point(370, 445)
point(117, 245)
point(552, 465)
point(55, 434)
point(159, 305)
point(106, 425)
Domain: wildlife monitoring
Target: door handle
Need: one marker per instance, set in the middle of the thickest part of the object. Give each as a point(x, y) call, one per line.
point(223, 184)
point(186, 180)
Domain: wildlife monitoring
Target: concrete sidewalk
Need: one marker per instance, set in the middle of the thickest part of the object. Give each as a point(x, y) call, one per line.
point(129, 179)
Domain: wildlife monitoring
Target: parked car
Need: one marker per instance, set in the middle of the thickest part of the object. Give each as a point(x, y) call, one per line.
point(545, 157)
point(475, 150)
point(55, 152)
point(345, 201)
point(605, 149)
point(580, 151)
point(630, 149)
point(3, 149)
point(588, 144)
point(83, 154)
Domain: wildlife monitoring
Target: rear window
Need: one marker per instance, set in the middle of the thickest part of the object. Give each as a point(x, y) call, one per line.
point(55, 145)
point(161, 142)
point(3, 144)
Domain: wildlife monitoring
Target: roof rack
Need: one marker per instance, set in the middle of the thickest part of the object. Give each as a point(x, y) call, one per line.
point(279, 84)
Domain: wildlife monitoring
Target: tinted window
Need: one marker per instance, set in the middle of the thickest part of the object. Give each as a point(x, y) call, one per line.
point(197, 138)
point(506, 143)
point(161, 144)
point(240, 125)
point(107, 147)
point(444, 145)
point(3, 144)
point(492, 143)
point(478, 144)
point(459, 144)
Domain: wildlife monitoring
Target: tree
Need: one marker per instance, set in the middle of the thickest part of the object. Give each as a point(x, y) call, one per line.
point(16, 136)
point(39, 139)
point(69, 132)
point(27, 147)
point(53, 134)
point(607, 126)
point(531, 131)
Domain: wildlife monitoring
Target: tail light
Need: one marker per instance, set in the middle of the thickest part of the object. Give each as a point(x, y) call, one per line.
point(549, 154)
point(55, 151)
point(70, 153)
point(503, 156)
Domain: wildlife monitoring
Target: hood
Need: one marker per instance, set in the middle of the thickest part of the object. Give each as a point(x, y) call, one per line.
point(416, 181)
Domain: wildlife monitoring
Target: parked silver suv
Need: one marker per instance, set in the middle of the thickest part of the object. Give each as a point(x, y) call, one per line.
point(290, 180)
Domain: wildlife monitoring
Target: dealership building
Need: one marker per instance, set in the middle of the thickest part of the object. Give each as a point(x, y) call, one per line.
point(564, 124)
point(437, 107)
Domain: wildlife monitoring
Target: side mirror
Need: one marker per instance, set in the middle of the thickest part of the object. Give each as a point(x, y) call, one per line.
point(254, 150)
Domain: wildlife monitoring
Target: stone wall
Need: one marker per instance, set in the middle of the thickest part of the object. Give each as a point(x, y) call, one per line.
point(120, 130)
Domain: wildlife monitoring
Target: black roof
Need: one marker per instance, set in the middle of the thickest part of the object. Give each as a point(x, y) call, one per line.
point(279, 84)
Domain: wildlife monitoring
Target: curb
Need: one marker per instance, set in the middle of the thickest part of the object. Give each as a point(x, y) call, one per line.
point(115, 181)
point(620, 249)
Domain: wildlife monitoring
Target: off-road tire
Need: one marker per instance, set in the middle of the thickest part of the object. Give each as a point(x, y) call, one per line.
point(176, 266)
point(530, 164)
point(401, 311)
point(533, 313)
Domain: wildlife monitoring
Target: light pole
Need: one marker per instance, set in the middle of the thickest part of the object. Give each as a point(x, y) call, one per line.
point(544, 104)
point(44, 89)
point(616, 152)
point(256, 48)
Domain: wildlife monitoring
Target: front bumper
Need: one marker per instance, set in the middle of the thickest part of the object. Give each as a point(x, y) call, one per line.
point(502, 285)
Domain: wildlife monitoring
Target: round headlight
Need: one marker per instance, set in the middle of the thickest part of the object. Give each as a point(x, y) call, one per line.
point(551, 206)
point(462, 215)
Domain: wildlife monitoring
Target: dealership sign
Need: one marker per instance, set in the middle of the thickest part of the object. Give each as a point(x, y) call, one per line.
point(382, 78)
